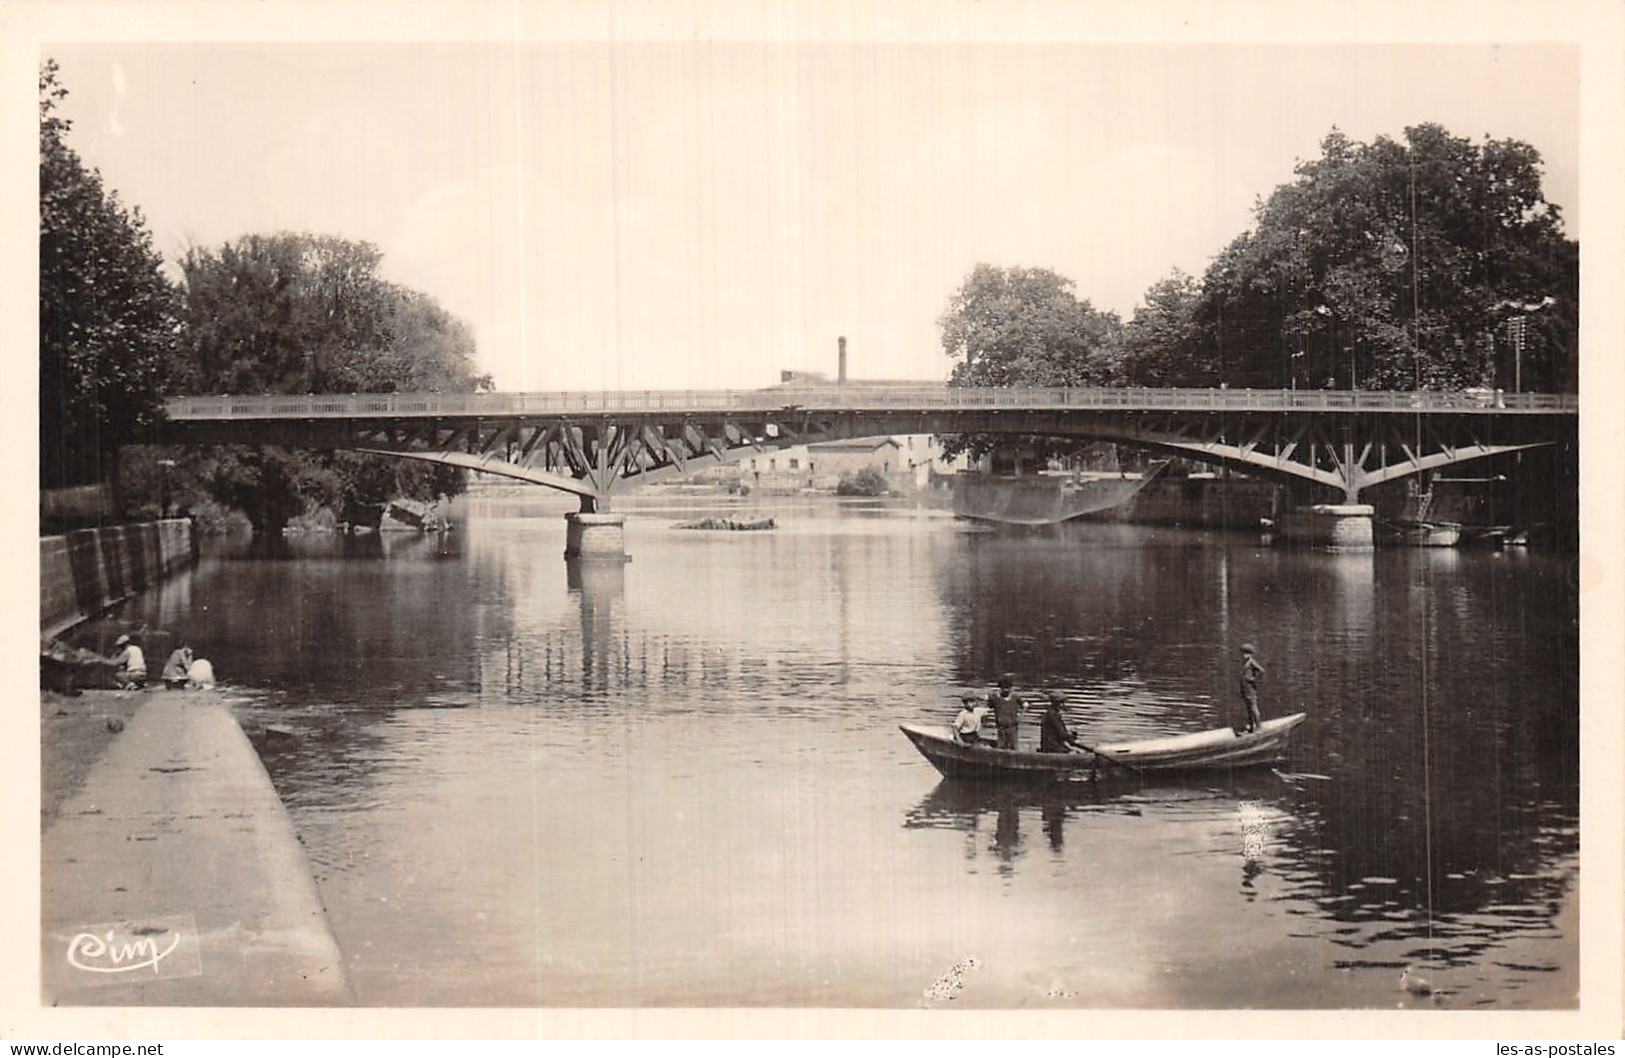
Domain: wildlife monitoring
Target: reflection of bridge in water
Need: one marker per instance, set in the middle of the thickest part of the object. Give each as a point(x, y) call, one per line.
point(593, 445)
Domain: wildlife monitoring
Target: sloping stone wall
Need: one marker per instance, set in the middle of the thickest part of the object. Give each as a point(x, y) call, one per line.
point(83, 573)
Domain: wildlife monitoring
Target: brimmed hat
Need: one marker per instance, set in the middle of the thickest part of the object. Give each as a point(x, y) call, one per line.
point(121, 640)
point(1057, 697)
point(968, 699)
point(1007, 680)
point(1248, 648)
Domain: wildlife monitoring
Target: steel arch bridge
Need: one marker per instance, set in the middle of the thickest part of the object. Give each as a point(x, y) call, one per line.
point(595, 444)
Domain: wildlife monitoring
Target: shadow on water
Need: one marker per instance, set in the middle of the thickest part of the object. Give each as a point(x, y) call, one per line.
point(959, 805)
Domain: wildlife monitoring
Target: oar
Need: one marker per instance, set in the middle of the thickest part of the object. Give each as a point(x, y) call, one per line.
point(1107, 757)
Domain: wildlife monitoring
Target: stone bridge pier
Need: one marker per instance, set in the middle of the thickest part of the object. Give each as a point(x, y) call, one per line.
point(596, 536)
point(1334, 526)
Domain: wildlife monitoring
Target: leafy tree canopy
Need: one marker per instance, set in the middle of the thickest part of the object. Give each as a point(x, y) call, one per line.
point(297, 313)
point(106, 311)
point(1162, 345)
point(1384, 266)
point(1024, 327)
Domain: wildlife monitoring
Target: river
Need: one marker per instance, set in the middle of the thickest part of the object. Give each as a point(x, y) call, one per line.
point(680, 781)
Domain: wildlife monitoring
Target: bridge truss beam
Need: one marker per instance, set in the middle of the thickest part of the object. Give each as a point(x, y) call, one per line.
point(595, 455)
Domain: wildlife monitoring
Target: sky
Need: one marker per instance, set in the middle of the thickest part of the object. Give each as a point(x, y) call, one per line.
point(703, 214)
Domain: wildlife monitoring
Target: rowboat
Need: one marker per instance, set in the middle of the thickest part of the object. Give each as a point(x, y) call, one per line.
point(1420, 533)
point(1221, 749)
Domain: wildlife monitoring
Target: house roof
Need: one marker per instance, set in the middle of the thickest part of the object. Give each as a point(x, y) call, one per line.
point(854, 444)
point(812, 379)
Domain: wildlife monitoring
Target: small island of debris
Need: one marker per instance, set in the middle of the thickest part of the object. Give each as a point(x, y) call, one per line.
point(728, 523)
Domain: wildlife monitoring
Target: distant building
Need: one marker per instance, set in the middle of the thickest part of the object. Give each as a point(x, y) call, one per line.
point(785, 469)
point(832, 460)
point(906, 460)
point(922, 456)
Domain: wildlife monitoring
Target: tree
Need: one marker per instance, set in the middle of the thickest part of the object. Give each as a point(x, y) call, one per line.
point(107, 313)
point(1024, 327)
point(297, 313)
point(1162, 344)
point(1389, 265)
point(867, 481)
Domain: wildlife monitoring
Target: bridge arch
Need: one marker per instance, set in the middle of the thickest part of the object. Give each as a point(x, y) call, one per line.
point(592, 445)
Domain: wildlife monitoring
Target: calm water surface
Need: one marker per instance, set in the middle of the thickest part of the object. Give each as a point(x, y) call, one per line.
point(681, 781)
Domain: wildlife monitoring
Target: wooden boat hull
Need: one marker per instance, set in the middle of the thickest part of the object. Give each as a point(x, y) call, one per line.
point(1422, 534)
point(1221, 749)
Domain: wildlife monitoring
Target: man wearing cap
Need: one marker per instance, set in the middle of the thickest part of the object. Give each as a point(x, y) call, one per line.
point(1250, 671)
point(130, 663)
point(1053, 735)
point(1006, 706)
point(968, 724)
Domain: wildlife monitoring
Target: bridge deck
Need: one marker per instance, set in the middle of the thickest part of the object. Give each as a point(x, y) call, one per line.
point(859, 397)
point(588, 443)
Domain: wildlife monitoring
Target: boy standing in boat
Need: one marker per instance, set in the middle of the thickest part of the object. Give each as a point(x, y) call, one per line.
point(1006, 706)
point(1250, 671)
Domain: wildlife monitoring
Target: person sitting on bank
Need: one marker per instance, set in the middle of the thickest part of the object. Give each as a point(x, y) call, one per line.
point(968, 724)
point(200, 675)
point(175, 669)
point(1250, 671)
point(1006, 706)
point(130, 665)
point(1053, 734)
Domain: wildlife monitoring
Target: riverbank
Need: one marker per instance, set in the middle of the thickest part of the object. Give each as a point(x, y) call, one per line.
point(171, 874)
point(75, 733)
point(88, 571)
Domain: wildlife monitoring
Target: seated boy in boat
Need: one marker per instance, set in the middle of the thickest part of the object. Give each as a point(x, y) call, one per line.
point(1053, 734)
point(967, 726)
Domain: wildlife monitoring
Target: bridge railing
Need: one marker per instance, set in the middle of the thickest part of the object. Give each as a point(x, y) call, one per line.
point(852, 397)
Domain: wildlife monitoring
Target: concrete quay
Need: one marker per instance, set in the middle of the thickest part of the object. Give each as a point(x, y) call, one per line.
point(174, 877)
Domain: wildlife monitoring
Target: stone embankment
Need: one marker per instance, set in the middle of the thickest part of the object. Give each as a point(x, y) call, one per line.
point(171, 874)
point(85, 572)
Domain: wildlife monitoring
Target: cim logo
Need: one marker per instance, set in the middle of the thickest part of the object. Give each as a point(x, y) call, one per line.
point(155, 947)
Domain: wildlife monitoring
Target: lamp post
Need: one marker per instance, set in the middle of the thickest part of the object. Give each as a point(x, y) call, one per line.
point(1330, 317)
point(1517, 330)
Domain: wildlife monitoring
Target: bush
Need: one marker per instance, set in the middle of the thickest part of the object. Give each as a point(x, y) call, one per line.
point(212, 518)
point(315, 519)
point(866, 482)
